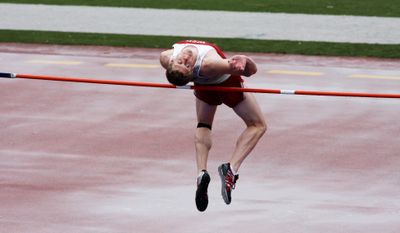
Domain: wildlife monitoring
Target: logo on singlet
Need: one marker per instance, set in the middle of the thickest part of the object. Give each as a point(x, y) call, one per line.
point(196, 41)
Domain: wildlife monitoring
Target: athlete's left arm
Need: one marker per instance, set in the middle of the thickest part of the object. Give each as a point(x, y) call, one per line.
point(242, 65)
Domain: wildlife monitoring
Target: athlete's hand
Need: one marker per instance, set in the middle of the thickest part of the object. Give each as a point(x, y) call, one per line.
point(243, 65)
point(238, 63)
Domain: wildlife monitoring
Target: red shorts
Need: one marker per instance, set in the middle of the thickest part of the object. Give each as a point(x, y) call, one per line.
point(231, 99)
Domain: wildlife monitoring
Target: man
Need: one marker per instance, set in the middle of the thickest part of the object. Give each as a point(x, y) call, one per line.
point(205, 64)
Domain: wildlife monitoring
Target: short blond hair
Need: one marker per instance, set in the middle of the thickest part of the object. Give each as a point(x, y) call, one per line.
point(176, 77)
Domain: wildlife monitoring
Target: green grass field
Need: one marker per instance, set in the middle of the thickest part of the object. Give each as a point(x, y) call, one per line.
point(238, 45)
point(355, 7)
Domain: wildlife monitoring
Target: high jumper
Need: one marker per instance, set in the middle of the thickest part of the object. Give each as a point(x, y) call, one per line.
point(204, 63)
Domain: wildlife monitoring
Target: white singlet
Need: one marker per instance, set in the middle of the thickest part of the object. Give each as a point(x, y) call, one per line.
point(202, 51)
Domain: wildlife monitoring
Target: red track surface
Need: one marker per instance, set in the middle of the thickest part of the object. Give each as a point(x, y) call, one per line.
point(96, 158)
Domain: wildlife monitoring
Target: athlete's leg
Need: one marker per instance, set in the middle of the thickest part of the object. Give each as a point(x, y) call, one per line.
point(203, 142)
point(205, 117)
point(251, 114)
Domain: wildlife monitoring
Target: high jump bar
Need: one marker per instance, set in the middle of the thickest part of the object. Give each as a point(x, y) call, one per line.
point(205, 88)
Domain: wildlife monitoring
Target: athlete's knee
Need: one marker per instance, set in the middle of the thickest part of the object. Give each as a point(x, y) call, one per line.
point(260, 127)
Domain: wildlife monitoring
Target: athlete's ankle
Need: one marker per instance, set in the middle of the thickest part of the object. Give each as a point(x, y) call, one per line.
point(234, 172)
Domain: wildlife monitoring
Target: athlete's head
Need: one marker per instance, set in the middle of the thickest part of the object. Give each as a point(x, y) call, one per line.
point(177, 77)
point(180, 68)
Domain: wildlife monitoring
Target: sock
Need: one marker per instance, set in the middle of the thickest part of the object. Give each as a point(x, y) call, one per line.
point(202, 172)
point(233, 170)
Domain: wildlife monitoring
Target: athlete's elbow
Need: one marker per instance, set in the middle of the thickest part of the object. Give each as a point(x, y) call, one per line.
point(254, 70)
point(250, 70)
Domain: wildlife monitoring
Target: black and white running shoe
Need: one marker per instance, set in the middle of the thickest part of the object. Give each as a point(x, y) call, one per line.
point(201, 193)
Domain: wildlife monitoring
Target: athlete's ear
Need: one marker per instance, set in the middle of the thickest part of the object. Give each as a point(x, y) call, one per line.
point(165, 58)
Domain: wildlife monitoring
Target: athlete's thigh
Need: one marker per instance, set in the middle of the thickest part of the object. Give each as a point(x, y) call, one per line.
point(249, 110)
point(205, 112)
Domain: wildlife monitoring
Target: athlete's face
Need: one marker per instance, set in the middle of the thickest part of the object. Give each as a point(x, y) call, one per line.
point(184, 61)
